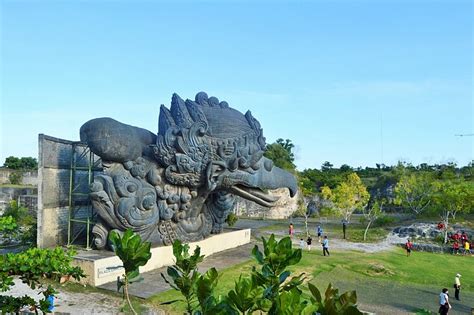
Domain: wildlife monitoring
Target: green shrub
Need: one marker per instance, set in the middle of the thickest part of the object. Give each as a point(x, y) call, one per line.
point(29, 235)
point(327, 211)
point(439, 239)
point(24, 220)
point(8, 225)
point(300, 211)
point(375, 235)
point(19, 213)
point(16, 177)
point(32, 266)
point(231, 219)
point(384, 220)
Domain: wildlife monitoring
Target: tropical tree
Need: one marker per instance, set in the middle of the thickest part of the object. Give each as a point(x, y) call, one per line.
point(288, 146)
point(24, 163)
point(133, 253)
point(415, 191)
point(348, 196)
point(453, 197)
point(371, 214)
point(281, 154)
point(326, 166)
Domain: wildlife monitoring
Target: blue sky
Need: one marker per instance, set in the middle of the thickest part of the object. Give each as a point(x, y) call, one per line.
point(355, 82)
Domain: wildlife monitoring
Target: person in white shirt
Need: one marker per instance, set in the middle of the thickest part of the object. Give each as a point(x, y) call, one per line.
point(444, 305)
point(302, 244)
point(457, 286)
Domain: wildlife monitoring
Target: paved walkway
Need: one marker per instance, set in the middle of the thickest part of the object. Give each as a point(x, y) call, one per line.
point(153, 283)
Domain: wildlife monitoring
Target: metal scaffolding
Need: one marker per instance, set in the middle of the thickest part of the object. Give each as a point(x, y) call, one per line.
point(81, 175)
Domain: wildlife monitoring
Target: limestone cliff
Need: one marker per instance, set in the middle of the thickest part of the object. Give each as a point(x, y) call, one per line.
point(282, 209)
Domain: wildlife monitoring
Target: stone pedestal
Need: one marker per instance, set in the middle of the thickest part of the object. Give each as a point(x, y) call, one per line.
point(103, 266)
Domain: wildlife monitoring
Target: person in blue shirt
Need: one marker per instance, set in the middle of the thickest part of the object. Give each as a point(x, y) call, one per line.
point(325, 245)
point(319, 230)
point(50, 299)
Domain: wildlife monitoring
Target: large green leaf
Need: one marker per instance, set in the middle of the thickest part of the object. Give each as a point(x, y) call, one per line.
point(315, 292)
point(131, 250)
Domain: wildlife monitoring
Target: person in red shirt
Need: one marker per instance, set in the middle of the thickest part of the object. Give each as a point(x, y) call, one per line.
point(457, 236)
point(408, 247)
point(291, 230)
point(456, 248)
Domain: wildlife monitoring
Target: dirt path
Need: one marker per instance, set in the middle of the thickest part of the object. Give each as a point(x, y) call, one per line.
point(338, 244)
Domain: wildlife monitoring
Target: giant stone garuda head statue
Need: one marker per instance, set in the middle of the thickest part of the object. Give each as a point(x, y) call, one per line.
point(182, 182)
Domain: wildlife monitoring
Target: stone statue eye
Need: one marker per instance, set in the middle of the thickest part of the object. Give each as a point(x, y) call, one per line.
point(148, 202)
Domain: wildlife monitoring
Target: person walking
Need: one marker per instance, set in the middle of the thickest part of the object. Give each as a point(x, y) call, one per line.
point(408, 247)
point(455, 248)
point(467, 248)
point(444, 305)
point(344, 227)
point(457, 286)
point(291, 230)
point(325, 245)
point(302, 244)
point(319, 230)
point(308, 242)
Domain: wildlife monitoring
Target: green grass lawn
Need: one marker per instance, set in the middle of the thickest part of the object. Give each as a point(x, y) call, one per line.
point(355, 231)
point(366, 273)
point(356, 234)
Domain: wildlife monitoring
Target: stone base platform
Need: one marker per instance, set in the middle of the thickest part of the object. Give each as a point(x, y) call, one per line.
point(103, 266)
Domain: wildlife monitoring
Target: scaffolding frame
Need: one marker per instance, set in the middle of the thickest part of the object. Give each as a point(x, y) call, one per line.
point(75, 193)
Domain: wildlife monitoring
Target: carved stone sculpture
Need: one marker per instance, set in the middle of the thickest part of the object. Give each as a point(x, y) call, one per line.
point(182, 182)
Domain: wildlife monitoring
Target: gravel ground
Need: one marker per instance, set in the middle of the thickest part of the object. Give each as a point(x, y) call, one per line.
point(73, 303)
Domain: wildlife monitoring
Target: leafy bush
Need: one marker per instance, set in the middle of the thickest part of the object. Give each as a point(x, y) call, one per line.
point(31, 266)
point(8, 225)
point(375, 235)
point(185, 273)
point(231, 219)
point(300, 211)
point(384, 220)
point(327, 211)
point(18, 212)
point(27, 223)
point(439, 239)
point(29, 235)
point(16, 177)
point(333, 303)
point(11, 304)
point(268, 289)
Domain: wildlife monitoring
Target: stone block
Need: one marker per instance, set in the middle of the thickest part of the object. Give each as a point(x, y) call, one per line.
point(103, 266)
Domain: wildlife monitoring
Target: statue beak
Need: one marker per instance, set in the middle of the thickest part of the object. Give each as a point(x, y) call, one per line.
point(272, 177)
